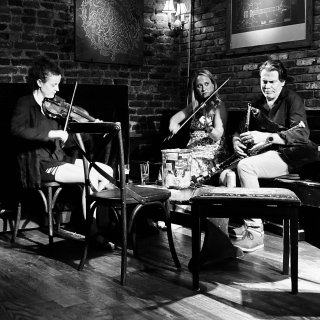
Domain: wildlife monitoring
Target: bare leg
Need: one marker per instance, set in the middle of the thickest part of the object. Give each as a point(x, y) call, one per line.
point(74, 173)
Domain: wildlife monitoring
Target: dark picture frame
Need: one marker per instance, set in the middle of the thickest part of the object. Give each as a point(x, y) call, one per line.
point(109, 31)
point(268, 25)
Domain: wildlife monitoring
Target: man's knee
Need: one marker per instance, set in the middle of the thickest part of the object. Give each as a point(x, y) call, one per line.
point(244, 165)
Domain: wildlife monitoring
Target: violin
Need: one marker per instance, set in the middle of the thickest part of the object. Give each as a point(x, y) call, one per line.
point(202, 105)
point(58, 108)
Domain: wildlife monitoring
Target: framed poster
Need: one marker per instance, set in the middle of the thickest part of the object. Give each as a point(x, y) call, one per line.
point(265, 25)
point(109, 31)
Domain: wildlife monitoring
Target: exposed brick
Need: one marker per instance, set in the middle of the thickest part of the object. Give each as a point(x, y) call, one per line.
point(15, 3)
point(28, 20)
point(4, 78)
point(313, 85)
point(250, 66)
point(312, 102)
point(305, 62)
point(306, 94)
point(121, 82)
point(28, 28)
point(7, 70)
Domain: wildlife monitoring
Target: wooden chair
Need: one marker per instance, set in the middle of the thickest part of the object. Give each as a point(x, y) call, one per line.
point(49, 193)
point(122, 196)
point(221, 202)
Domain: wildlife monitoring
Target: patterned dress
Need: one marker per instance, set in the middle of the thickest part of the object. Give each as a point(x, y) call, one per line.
point(205, 151)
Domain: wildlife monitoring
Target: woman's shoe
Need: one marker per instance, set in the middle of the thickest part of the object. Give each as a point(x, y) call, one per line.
point(102, 243)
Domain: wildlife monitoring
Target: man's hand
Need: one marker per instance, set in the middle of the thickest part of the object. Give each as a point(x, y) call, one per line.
point(253, 137)
point(238, 147)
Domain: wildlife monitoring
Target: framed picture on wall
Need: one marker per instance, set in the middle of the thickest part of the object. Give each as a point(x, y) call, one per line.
point(109, 31)
point(266, 25)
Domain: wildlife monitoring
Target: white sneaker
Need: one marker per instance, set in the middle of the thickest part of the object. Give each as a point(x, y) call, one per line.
point(251, 241)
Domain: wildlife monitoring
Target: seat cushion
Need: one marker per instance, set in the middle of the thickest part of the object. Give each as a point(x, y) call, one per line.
point(146, 194)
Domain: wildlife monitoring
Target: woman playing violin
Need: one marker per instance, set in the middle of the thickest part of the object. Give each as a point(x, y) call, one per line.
point(207, 126)
point(40, 138)
point(207, 144)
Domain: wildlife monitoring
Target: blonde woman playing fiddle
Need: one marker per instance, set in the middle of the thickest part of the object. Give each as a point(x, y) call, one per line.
point(207, 126)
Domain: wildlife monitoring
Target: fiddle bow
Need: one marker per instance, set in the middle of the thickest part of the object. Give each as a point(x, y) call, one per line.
point(70, 107)
point(198, 108)
point(69, 111)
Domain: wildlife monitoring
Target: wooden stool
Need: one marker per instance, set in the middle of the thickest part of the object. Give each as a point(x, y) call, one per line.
point(261, 203)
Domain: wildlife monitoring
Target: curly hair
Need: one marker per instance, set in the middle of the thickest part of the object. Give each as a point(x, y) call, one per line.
point(41, 69)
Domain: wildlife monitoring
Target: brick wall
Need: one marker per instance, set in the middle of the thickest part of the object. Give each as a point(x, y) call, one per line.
point(30, 27)
point(209, 51)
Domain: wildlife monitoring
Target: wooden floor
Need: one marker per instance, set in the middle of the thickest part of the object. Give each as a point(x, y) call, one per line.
point(38, 283)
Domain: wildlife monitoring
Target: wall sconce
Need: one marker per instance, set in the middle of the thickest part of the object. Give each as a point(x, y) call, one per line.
point(181, 11)
point(180, 14)
point(169, 9)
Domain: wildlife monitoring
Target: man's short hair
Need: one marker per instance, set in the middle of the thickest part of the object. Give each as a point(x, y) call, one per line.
point(274, 65)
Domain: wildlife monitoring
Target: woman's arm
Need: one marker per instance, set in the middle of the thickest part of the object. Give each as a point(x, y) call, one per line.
point(216, 130)
point(24, 123)
point(22, 118)
point(177, 118)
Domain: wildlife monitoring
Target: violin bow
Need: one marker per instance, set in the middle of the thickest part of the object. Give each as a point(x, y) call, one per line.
point(70, 107)
point(200, 107)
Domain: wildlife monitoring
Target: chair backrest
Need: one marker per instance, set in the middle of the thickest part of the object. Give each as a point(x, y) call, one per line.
point(110, 134)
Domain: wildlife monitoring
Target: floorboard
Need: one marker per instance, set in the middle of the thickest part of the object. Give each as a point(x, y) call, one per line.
point(38, 282)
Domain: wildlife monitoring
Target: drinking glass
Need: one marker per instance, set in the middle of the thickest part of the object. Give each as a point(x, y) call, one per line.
point(126, 172)
point(144, 171)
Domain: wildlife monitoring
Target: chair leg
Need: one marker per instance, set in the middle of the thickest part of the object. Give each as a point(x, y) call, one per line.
point(132, 229)
point(124, 244)
point(17, 223)
point(294, 252)
point(170, 237)
point(89, 212)
point(196, 242)
point(54, 198)
point(133, 234)
point(49, 201)
point(84, 255)
point(166, 208)
point(286, 246)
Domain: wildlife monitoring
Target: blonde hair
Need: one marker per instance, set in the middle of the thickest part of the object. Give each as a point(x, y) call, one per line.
point(194, 99)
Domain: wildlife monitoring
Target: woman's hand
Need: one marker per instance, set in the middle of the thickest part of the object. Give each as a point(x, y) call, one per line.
point(58, 134)
point(206, 121)
point(175, 120)
point(174, 127)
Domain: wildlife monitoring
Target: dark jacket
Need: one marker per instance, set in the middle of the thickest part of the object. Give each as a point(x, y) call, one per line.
point(287, 112)
point(29, 129)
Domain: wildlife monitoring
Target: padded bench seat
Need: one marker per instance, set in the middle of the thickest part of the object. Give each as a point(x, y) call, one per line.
point(307, 190)
point(219, 202)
